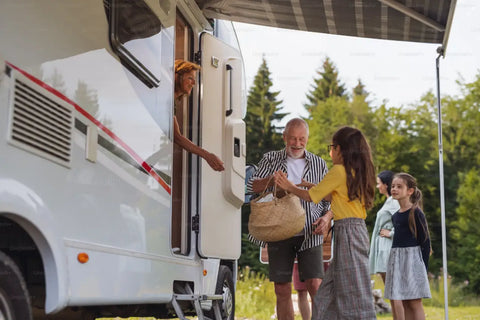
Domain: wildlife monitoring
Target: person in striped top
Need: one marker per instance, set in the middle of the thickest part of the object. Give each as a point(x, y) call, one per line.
point(304, 169)
point(345, 292)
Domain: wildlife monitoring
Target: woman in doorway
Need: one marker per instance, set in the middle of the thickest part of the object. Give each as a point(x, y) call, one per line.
point(185, 80)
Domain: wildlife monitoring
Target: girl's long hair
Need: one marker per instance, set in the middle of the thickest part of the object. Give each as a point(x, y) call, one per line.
point(357, 159)
point(417, 202)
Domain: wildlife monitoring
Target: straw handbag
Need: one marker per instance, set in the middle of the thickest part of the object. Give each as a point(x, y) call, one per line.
point(276, 220)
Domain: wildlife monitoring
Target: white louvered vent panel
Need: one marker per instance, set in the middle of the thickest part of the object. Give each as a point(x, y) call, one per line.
point(40, 124)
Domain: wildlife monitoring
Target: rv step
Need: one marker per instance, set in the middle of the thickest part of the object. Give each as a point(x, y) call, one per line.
point(195, 300)
point(192, 297)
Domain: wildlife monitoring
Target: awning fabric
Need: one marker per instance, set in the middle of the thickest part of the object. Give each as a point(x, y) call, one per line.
point(425, 21)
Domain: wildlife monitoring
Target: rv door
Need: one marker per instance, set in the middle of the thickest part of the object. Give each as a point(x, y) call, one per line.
point(223, 133)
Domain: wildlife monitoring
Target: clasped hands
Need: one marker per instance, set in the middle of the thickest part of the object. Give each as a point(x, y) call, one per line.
point(322, 224)
point(281, 180)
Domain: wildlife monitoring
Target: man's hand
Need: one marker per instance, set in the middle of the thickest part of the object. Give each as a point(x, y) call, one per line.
point(282, 181)
point(323, 224)
point(259, 185)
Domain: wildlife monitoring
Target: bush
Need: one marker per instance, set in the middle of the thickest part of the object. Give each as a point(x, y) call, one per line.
point(457, 295)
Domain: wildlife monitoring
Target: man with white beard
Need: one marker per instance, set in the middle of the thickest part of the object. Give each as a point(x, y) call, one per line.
point(306, 170)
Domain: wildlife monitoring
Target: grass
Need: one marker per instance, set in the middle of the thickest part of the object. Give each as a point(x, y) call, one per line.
point(255, 296)
point(454, 313)
point(461, 306)
point(255, 300)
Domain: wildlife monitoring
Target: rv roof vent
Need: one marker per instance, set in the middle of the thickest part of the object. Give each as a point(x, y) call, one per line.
point(41, 122)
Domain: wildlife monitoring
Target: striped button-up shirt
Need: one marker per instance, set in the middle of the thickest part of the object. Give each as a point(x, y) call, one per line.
point(315, 170)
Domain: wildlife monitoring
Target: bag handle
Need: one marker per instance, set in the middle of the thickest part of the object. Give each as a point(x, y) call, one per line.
point(266, 187)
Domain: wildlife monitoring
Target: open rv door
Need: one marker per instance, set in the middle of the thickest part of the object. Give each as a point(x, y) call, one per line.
point(223, 133)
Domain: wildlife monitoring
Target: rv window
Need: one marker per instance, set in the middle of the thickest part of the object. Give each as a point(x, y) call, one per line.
point(135, 38)
point(225, 31)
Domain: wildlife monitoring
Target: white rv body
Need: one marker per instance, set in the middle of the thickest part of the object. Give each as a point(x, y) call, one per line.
point(87, 164)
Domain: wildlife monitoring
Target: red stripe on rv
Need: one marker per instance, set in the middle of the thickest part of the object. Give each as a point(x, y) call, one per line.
point(135, 156)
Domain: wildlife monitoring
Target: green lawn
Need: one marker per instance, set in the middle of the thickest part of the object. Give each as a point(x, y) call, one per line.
point(454, 313)
point(432, 313)
point(255, 300)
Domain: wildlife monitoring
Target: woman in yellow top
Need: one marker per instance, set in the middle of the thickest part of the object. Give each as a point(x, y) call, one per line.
point(345, 292)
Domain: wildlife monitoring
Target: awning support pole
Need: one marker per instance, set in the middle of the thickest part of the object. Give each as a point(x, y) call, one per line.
point(440, 52)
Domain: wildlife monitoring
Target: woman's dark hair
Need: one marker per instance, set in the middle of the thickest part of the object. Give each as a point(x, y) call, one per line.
point(357, 159)
point(386, 177)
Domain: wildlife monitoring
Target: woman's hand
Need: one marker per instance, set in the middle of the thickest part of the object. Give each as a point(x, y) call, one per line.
point(385, 233)
point(214, 162)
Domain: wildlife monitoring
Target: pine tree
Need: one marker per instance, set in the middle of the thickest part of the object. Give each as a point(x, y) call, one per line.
point(263, 135)
point(87, 98)
point(56, 81)
point(325, 86)
point(362, 111)
point(262, 116)
point(359, 89)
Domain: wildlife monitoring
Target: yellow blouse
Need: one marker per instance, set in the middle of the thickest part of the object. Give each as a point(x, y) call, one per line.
point(335, 182)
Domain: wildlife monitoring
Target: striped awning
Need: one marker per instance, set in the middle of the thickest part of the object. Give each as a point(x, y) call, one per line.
point(425, 21)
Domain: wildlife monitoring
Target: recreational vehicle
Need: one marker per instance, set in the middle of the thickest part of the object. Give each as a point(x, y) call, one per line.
point(100, 213)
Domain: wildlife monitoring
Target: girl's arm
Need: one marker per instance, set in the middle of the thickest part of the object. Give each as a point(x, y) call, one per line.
point(328, 198)
point(423, 236)
point(305, 184)
point(282, 181)
point(309, 185)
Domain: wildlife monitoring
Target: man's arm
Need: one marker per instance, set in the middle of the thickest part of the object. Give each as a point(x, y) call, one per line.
point(258, 185)
point(259, 180)
point(323, 224)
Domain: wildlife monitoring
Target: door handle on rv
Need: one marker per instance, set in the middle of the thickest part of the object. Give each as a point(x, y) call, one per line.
point(236, 147)
point(230, 71)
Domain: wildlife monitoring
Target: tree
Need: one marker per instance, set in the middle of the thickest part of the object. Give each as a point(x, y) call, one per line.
point(263, 134)
point(263, 115)
point(461, 161)
point(325, 86)
point(86, 98)
point(56, 81)
point(467, 258)
point(324, 120)
point(337, 111)
point(330, 108)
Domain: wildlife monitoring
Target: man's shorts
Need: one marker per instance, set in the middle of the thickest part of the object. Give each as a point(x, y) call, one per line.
point(281, 256)
point(297, 284)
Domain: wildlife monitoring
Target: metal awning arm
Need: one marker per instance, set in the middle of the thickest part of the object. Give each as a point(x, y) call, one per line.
point(413, 14)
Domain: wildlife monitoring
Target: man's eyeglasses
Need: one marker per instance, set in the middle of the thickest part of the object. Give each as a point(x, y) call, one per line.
point(331, 146)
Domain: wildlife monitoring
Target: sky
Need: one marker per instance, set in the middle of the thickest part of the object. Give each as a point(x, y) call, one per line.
point(396, 73)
